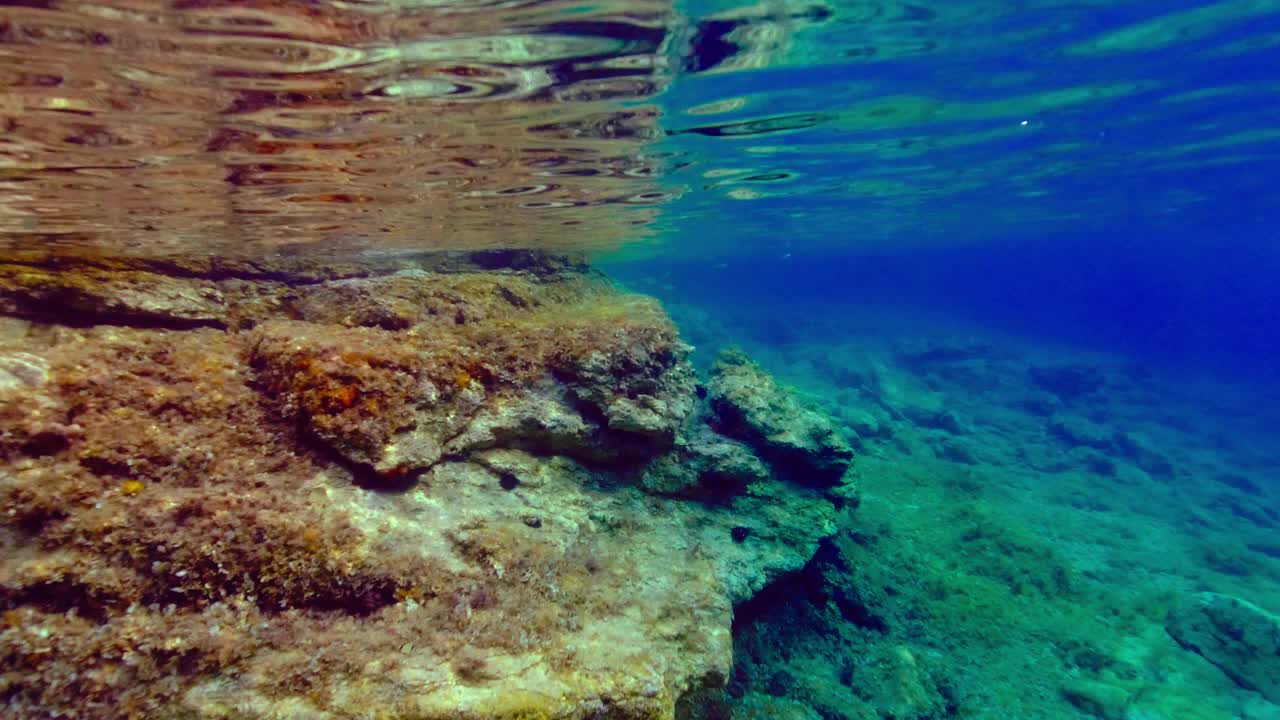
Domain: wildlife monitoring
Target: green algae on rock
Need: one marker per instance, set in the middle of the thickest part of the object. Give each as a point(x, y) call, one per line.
point(750, 406)
point(1243, 640)
point(1031, 581)
point(427, 489)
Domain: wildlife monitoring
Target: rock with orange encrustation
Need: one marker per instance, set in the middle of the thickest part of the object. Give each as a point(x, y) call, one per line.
point(416, 491)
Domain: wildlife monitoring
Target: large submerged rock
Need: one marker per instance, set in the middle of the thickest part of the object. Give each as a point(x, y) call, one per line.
point(1242, 639)
point(749, 405)
point(466, 487)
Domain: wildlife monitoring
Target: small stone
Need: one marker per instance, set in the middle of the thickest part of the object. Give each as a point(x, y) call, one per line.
point(1096, 698)
point(22, 371)
point(863, 423)
point(1076, 431)
point(1068, 382)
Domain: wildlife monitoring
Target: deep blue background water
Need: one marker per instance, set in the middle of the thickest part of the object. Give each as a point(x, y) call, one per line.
point(1199, 305)
point(1098, 175)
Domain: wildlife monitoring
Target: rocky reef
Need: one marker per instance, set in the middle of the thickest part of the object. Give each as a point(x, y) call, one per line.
point(1240, 638)
point(464, 486)
point(1036, 534)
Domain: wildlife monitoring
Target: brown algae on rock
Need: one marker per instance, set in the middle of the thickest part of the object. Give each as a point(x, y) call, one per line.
point(463, 489)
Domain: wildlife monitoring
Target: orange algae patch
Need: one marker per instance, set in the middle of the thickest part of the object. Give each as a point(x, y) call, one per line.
point(414, 593)
point(328, 395)
point(256, 555)
point(337, 398)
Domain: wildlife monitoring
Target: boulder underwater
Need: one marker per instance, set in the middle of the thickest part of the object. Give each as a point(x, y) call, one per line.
point(452, 486)
point(749, 405)
point(1240, 638)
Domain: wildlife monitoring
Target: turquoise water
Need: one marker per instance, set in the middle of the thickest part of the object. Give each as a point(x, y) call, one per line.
point(1099, 172)
point(917, 213)
point(861, 124)
point(1023, 253)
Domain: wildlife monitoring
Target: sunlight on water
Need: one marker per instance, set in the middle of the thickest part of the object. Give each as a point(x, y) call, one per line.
point(908, 123)
point(229, 127)
point(245, 127)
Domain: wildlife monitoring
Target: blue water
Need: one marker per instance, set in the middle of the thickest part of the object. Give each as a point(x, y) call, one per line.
point(1204, 305)
point(1095, 173)
point(1024, 255)
point(946, 203)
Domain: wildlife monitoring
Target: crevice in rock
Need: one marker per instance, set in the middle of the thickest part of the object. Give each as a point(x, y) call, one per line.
point(45, 444)
point(362, 474)
point(62, 596)
point(359, 596)
point(315, 271)
point(802, 585)
point(51, 313)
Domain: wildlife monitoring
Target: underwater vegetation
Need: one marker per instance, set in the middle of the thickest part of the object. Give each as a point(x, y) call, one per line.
point(495, 485)
point(1042, 532)
point(462, 486)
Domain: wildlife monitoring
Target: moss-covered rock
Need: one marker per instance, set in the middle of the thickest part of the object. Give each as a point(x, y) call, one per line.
point(1103, 700)
point(705, 465)
point(426, 492)
point(1242, 639)
point(750, 405)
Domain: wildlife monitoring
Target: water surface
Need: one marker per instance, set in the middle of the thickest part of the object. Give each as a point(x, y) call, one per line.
point(150, 127)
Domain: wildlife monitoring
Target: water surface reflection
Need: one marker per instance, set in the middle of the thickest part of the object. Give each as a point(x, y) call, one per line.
point(241, 127)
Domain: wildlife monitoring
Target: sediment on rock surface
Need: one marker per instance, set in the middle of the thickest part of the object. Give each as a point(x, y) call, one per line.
point(750, 406)
point(1242, 639)
point(438, 488)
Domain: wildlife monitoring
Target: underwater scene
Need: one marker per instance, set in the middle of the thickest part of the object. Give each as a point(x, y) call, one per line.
point(640, 360)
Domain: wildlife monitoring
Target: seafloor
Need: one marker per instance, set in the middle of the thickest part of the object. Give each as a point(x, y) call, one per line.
point(494, 485)
point(1044, 531)
point(471, 485)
